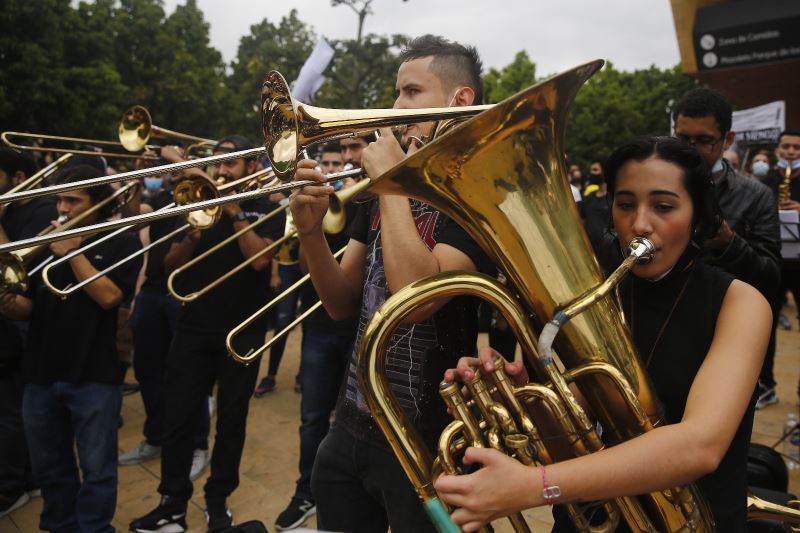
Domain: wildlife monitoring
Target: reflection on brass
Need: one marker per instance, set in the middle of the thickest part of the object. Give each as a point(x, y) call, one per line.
point(500, 176)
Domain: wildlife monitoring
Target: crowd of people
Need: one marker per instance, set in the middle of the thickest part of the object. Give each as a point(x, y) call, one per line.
point(701, 317)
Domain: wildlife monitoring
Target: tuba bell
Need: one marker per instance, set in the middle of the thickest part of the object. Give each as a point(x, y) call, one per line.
point(500, 176)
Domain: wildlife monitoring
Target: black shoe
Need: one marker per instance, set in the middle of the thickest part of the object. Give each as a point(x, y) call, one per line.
point(168, 517)
point(218, 517)
point(766, 396)
point(295, 514)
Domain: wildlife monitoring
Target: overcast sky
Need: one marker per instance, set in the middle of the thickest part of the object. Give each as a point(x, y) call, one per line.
point(557, 34)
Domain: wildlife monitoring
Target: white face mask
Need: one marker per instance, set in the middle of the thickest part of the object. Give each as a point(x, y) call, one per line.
point(782, 164)
point(718, 166)
point(760, 169)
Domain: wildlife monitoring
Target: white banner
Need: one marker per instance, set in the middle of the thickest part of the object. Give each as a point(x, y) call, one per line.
point(760, 125)
point(310, 78)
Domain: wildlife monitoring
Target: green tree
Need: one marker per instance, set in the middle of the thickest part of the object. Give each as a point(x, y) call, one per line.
point(614, 106)
point(58, 73)
point(283, 47)
point(517, 75)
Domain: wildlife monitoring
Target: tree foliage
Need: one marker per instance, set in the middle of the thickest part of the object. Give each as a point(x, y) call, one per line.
point(72, 68)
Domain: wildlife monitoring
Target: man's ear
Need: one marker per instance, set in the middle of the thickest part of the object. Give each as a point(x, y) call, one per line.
point(18, 177)
point(252, 166)
point(729, 138)
point(464, 96)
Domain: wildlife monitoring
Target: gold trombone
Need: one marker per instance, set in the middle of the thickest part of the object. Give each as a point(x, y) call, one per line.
point(136, 128)
point(252, 355)
point(38, 177)
point(192, 189)
point(290, 126)
point(13, 264)
point(7, 137)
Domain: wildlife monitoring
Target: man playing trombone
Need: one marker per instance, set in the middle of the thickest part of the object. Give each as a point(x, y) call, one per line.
point(357, 482)
point(72, 370)
point(198, 359)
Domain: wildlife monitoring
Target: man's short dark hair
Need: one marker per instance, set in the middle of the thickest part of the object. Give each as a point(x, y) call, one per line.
point(452, 62)
point(331, 147)
point(12, 162)
point(96, 194)
point(792, 133)
point(239, 142)
point(703, 102)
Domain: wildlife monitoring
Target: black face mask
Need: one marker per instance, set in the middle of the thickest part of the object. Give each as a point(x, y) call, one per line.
point(595, 179)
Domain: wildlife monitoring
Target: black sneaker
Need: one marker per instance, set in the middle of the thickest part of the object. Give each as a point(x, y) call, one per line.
point(766, 396)
point(295, 514)
point(218, 518)
point(168, 517)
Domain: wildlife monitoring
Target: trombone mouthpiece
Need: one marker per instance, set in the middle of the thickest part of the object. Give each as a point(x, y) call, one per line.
point(643, 249)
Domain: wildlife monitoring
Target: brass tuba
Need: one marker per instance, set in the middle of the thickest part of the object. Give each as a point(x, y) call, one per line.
point(500, 176)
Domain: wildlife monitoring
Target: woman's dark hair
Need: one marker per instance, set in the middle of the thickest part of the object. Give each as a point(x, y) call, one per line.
point(697, 177)
point(96, 194)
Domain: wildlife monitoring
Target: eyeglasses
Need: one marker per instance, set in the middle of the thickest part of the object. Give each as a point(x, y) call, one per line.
point(701, 141)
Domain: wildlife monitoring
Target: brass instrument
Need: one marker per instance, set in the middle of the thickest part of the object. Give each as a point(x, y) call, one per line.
point(188, 191)
point(136, 128)
point(13, 265)
point(252, 355)
point(785, 186)
point(7, 137)
point(290, 126)
point(289, 251)
point(38, 177)
point(502, 179)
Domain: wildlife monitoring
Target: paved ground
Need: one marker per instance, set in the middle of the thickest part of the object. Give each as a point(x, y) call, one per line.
point(269, 466)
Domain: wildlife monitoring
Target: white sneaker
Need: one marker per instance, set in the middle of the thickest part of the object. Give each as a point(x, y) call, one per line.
point(199, 463)
point(16, 504)
point(141, 453)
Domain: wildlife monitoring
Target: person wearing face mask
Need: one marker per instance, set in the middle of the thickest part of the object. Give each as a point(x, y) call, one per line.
point(197, 358)
point(594, 207)
point(153, 321)
point(759, 165)
point(788, 153)
point(748, 243)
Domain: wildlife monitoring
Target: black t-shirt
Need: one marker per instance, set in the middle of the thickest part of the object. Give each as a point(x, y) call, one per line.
point(419, 353)
point(75, 340)
point(675, 357)
point(22, 221)
point(225, 306)
point(155, 276)
point(26, 220)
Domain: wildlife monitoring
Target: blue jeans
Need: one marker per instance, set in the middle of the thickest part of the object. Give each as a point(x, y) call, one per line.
point(323, 359)
point(285, 312)
point(85, 415)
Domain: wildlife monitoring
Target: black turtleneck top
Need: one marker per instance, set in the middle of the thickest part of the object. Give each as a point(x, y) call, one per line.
point(695, 291)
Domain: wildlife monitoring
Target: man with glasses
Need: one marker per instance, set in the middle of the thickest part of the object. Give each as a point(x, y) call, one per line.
point(747, 244)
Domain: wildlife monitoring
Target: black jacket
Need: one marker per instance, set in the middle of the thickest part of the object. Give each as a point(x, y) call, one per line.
point(754, 253)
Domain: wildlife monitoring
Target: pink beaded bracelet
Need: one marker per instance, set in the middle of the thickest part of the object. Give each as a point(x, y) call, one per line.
point(549, 493)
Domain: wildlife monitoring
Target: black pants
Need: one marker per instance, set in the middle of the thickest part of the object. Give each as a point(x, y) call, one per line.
point(153, 323)
point(15, 467)
point(361, 488)
point(195, 362)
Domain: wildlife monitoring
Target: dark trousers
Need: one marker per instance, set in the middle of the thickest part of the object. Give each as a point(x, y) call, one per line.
point(153, 323)
point(57, 418)
point(285, 312)
point(195, 362)
point(360, 487)
point(15, 470)
point(323, 358)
